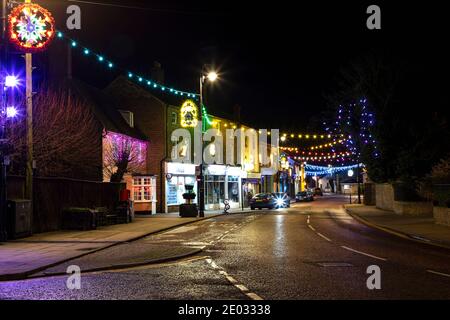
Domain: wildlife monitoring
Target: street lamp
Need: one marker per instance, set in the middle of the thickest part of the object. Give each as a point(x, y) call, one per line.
point(211, 76)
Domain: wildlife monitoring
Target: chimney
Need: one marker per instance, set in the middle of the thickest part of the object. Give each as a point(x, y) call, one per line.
point(157, 73)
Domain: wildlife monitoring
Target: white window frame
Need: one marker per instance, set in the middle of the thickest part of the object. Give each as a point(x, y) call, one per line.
point(141, 184)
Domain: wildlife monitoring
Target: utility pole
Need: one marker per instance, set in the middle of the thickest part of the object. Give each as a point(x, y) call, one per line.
point(29, 122)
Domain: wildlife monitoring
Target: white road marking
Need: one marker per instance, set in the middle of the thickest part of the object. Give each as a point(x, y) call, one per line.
point(321, 235)
point(363, 253)
point(253, 296)
point(241, 287)
point(311, 227)
point(196, 244)
point(233, 281)
point(439, 273)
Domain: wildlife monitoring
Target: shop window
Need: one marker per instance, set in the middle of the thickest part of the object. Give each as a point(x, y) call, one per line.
point(176, 188)
point(142, 189)
point(233, 189)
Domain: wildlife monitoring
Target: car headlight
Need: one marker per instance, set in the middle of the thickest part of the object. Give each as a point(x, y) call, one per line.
point(280, 202)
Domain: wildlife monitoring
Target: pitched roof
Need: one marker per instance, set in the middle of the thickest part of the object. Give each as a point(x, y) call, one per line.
point(168, 98)
point(105, 109)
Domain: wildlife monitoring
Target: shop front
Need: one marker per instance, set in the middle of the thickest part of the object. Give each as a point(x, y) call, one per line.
point(142, 191)
point(178, 175)
point(251, 185)
point(221, 183)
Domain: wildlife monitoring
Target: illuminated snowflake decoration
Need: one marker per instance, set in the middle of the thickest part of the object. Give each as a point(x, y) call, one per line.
point(31, 27)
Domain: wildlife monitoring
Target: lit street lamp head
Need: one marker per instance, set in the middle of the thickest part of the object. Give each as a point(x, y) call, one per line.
point(212, 76)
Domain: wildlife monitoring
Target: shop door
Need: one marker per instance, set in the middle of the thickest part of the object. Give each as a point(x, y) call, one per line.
point(215, 192)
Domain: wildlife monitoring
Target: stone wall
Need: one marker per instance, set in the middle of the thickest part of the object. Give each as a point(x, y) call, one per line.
point(413, 208)
point(384, 196)
point(385, 199)
point(442, 215)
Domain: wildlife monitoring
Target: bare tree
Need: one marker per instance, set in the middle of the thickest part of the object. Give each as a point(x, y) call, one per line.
point(66, 137)
point(121, 155)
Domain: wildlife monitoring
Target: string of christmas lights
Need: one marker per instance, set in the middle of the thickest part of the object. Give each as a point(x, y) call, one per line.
point(355, 118)
point(309, 153)
point(148, 83)
point(286, 136)
point(324, 157)
point(320, 170)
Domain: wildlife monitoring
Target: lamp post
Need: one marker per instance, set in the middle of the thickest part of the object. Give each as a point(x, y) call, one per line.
point(359, 183)
point(211, 76)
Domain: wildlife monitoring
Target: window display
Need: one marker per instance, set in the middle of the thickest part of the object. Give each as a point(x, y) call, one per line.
point(176, 188)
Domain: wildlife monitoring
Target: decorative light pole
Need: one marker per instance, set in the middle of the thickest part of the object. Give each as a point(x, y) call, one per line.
point(211, 76)
point(30, 28)
point(6, 112)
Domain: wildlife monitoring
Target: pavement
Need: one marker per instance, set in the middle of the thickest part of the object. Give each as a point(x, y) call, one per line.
point(419, 229)
point(22, 258)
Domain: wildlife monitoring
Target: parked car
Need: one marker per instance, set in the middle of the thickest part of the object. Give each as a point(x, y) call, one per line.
point(304, 196)
point(263, 200)
point(318, 192)
point(282, 200)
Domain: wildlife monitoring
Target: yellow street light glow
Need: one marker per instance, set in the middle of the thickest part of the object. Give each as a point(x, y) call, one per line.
point(283, 138)
point(292, 136)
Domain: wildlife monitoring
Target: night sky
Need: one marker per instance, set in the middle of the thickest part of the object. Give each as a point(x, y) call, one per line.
point(276, 59)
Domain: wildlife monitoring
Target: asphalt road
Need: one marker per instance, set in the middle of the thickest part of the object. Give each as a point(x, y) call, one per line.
point(310, 251)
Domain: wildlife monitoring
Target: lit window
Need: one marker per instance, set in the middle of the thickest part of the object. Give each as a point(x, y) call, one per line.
point(142, 189)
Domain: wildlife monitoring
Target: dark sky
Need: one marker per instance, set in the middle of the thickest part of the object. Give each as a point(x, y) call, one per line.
point(276, 59)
